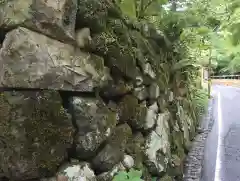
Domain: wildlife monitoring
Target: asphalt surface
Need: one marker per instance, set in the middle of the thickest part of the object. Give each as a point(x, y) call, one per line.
point(222, 148)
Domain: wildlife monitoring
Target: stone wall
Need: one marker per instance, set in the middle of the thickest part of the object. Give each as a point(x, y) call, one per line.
point(79, 107)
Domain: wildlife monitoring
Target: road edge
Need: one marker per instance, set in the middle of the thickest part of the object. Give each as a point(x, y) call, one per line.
point(193, 164)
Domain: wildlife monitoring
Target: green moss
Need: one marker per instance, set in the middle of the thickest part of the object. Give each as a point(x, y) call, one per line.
point(166, 178)
point(35, 128)
point(120, 136)
point(111, 118)
point(177, 146)
point(135, 149)
point(128, 108)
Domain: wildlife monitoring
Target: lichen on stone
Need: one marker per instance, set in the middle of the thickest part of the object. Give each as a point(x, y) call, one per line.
point(35, 133)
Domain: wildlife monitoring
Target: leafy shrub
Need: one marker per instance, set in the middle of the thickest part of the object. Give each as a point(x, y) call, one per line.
point(132, 175)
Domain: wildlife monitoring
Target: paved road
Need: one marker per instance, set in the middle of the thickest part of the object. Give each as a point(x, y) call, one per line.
point(222, 149)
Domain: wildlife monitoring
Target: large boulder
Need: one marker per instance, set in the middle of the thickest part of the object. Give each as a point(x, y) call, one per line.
point(50, 17)
point(95, 122)
point(158, 146)
point(113, 152)
point(32, 60)
point(35, 133)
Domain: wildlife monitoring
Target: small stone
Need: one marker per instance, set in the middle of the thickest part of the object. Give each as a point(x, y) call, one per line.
point(149, 71)
point(128, 161)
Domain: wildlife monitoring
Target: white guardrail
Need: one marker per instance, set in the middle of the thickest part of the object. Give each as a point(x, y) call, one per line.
point(225, 77)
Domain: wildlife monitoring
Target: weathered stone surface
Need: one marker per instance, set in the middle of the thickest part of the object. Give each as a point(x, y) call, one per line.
point(162, 103)
point(138, 115)
point(118, 55)
point(141, 93)
point(35, 133)
point(151, 116)
point(135, 149)
point(154, 91)
point(166, 178)
point(77, 172)
point(50, 17)
point(113, 152)
point(108, 176)
point(148, 70)
point(95, 123)
point(175, 167)
point(158, 146)
point(184, 122)
point(170, 96)
point(32, 60)
point(49, 179)
point(177, 143)
point(93, 14)
point(135, 54)
point(116, 89)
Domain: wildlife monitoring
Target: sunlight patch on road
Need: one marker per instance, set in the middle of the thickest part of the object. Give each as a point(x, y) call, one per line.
point(218, 160)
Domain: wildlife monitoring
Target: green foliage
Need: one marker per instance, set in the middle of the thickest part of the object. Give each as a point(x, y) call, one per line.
point(132, 175)
point(200, 101)
point(140, 9)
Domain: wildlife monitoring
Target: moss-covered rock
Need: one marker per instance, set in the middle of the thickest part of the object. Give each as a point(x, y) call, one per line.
point(94, 14)
point(117, 51)
point(175, 166)
point(113, 151)
point(141, 93)
point(35, 133)
point(157, 146)
point(52, 18)
point(138, 115)
point(95, 122)
point(177, 143)
point(116, 89)
point(135, 149)
point(166, 178)
point(32, 60)
point(185, 125)
point(108, 176)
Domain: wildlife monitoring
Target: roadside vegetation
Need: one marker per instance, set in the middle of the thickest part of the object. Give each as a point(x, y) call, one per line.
point(196, 31)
